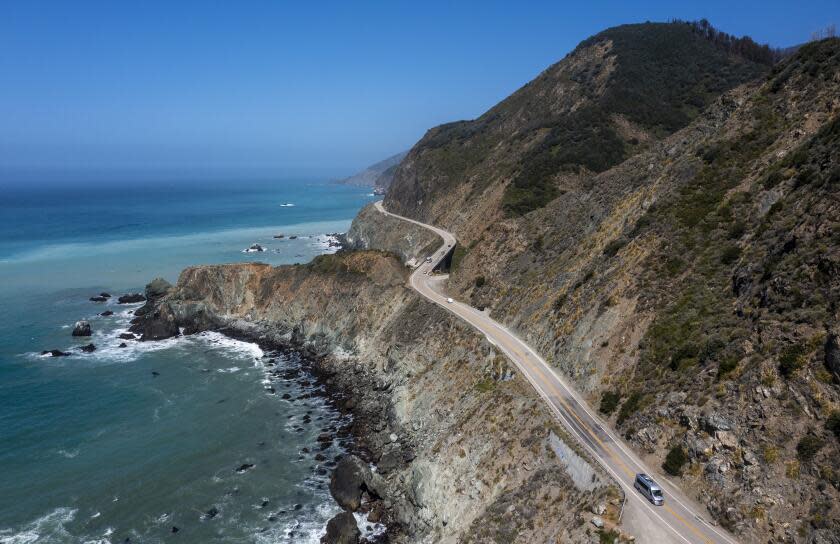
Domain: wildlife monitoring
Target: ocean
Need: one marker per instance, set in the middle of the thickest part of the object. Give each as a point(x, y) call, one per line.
point(178, 440)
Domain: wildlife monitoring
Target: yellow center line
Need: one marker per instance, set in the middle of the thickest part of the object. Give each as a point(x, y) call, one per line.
point(538, 369)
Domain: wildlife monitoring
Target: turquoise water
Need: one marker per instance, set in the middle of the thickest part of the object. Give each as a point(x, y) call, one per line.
point(127, 443)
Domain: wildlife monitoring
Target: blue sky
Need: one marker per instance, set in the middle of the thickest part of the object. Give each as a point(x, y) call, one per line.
point(311, 88)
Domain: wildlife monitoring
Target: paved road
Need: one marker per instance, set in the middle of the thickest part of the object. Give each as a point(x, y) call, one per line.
point(678, 520)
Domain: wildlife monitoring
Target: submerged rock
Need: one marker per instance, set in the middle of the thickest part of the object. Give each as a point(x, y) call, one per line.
point(127, 336)
point(90, 348)
point(342, 529)
point(98, 299)
point(55, 353)
point(106, 313)
point(82, 328)
point(244, 467)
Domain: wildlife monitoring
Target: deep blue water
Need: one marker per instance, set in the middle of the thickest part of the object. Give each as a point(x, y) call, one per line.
point(97, 448)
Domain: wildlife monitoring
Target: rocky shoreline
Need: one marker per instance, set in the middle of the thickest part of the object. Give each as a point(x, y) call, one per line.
point(353, 485)
point(445, 443)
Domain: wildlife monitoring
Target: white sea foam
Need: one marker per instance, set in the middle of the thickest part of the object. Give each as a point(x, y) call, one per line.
point(49, 527)
point(369, 530)
point(69, 454)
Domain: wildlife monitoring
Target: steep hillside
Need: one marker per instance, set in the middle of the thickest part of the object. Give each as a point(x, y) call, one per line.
point(669, 241)
point(609, 99)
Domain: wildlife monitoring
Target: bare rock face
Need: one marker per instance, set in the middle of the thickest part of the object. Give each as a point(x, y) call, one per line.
point(342, 529)
point(82, 328)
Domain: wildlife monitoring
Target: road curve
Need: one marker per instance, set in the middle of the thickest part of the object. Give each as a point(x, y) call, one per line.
point(678, 520)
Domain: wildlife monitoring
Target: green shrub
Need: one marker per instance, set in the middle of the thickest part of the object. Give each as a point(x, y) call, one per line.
point(808, 447)
point(609, 402)
point(630, 406)
point(726, 366)
point(737, 230)
point(480, 281)
point(833, 423)
point(674, 265)
point(674, 461)
point(791, 359)
point(730, 254)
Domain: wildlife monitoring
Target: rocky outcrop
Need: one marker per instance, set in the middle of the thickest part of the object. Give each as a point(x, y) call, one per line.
point(153, 321)
point(131, 298)
point(82, 328)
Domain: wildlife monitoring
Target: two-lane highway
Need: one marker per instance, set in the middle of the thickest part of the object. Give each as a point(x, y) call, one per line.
point(679, 520)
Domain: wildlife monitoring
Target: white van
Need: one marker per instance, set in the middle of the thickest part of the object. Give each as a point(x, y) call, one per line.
point(647, 487)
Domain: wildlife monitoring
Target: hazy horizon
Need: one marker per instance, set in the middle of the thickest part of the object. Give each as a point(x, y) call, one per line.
point(280, 91)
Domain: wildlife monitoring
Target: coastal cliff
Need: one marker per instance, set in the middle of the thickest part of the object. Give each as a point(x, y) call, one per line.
point(463, 445)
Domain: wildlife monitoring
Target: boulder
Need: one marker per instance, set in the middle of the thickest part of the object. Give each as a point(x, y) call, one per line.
point(105, 295)
point(127, 336)
point(98, 299)
point(349, 479)
point(90, 348)
point(107, 313)
point(123, 345)
point(82, 328)
point(715, 422)
point(727, 439)
point(342, 529)
point(254, 248)
point(131, 298)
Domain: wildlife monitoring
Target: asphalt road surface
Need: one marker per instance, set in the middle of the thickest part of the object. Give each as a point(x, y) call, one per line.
point(679, 520)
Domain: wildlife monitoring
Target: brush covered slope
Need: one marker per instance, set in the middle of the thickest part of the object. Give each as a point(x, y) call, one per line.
point(661, 220)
